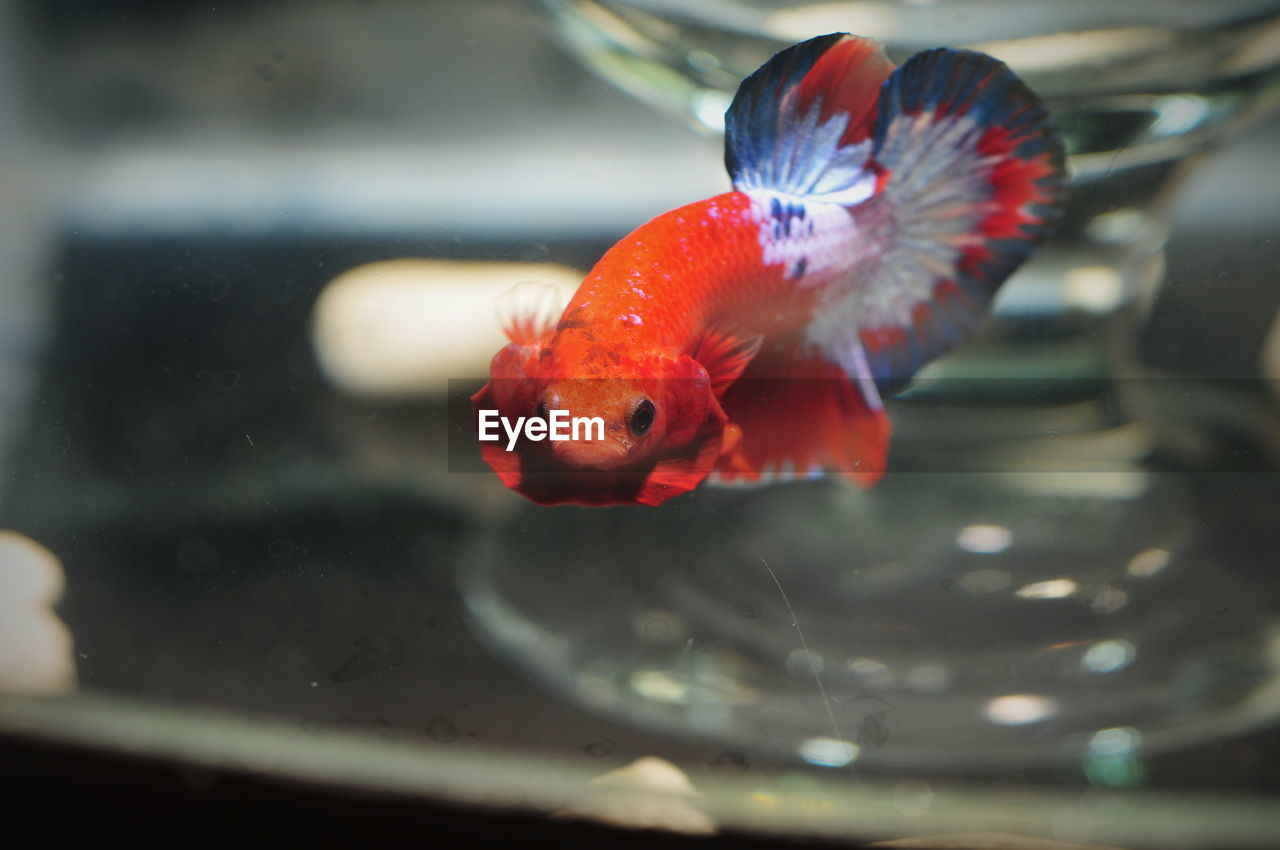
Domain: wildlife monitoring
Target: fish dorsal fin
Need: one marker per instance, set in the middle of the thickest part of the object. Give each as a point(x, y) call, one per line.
point(529, 310)
point(724, 354)
point(801, 124)
point(974, 179)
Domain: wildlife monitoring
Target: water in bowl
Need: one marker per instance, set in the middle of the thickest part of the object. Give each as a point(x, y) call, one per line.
point(1025, 585)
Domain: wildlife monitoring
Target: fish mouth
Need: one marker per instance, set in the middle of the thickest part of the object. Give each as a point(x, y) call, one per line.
point(648, 482)
point(603, 455)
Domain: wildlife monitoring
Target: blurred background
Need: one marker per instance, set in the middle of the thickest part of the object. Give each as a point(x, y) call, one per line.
point(246, 246)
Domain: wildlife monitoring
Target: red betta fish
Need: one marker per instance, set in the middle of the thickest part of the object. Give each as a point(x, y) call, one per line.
point(750, 336)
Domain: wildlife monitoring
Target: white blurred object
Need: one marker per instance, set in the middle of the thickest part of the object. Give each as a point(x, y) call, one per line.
point(649, 793)
point(36, 654)
point(405, 327)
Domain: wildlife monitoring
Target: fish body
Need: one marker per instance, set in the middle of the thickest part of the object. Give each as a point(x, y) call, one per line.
point(749, 337)
point(705, 265)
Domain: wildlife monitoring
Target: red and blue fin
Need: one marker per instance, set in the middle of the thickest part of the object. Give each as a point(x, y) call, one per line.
point(802, 124)
point(801, 415)
point(975, 179)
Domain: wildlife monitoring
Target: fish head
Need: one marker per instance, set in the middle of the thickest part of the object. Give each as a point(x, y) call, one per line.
point(638, 435)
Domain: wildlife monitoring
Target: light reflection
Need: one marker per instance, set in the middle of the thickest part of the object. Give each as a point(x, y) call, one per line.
point(1119, 741)
point(870, 672)
point(864, 666)
point(1019, 709)
point(1115, 771)
point(801, 22)
point(1096, 289)
point(659, 685)
point(1147, 563)
point(1057, 588)
point(828, 752)
point(1085, 48)
point(1113, 486)
point(709, 108)
point(1109, 600)
point(1178, 114)
point(1112, 760)
point(1109, 656)
point(984, 539)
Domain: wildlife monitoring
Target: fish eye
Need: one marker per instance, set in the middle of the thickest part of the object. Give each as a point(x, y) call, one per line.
point(641, 419)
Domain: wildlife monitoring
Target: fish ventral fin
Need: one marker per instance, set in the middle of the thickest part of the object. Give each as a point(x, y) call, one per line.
point(801, 125)
point(800, 415)
point(975, 179)
point(529, 311)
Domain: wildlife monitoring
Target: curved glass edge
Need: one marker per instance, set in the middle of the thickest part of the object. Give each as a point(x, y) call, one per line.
point(788, 803)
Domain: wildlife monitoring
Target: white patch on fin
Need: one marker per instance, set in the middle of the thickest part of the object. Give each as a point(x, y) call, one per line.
point(529, 310)
point(824, 240)
point(809, 162)
point(937, 195)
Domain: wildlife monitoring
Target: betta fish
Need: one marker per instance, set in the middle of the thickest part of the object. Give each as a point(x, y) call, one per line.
point(751, 337)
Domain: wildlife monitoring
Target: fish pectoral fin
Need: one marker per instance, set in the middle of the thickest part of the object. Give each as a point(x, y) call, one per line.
point(675, 475)
point(732, 438)
point(801, 414)
point(725, 353)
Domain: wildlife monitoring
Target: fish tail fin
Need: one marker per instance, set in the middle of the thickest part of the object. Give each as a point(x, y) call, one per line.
point(974, 177)
point(802, 124)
